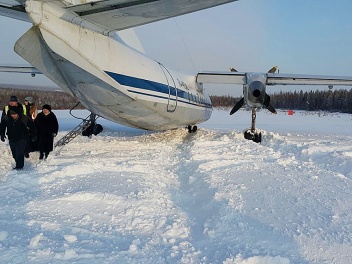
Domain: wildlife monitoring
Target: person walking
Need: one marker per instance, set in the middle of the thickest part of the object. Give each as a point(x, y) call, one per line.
point(32, 113)
point(18, 128)
point(31, 107)
point(15, 106)
point(47, 128)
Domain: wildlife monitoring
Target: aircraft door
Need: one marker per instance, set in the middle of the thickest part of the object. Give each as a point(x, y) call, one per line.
point(172, 102)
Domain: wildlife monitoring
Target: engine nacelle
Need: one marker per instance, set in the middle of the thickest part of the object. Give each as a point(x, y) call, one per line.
point(255, 90)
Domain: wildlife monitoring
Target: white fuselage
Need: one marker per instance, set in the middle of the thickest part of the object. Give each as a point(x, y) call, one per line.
point(109, 78)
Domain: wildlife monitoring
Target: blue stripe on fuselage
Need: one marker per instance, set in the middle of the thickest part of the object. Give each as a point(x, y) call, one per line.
point(153, 86)
point(139, 83)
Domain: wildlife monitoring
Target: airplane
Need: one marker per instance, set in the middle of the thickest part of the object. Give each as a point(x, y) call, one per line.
point(80, 46)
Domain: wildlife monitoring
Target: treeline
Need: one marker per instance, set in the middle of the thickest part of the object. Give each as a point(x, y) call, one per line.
point(57, 100)
point(331, 101)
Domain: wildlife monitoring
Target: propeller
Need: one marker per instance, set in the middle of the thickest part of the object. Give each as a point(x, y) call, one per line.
point(268, 105)
point(266, 102)
point(255, 96)
point(240, 103)
point(273, 69)
point(237, 106)
point(267, 97)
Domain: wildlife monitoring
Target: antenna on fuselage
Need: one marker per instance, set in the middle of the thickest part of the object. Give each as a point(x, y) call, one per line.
point(184, 43)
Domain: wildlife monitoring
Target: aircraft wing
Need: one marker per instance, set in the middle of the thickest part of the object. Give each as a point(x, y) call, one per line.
point(118, 14)
point(13, 9)
point(222, 77)
point(19, 69)
point(300, 79)
point(123, 14)
point(274, 79)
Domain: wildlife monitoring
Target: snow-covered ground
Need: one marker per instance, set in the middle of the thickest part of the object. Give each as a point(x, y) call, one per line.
point(131, 196)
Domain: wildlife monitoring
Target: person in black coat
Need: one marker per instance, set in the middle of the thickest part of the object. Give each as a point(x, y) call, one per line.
point(15, 106)
point(18, 128)
point(47, 128)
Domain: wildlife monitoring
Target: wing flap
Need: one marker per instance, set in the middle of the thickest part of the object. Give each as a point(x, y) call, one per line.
point(300, 79)
point(123, 14)
point(222, 77)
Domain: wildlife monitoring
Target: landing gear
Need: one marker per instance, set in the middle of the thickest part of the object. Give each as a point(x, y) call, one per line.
point(192, 129)
point(252, 134)
point(93, 128)
point(87, 127)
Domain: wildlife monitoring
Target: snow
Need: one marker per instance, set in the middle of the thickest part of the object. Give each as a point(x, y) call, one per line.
point(133, 196)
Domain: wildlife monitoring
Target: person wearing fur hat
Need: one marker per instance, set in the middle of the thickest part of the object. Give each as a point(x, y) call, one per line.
point(18, 129)
point(47, 128)
point(15, 106)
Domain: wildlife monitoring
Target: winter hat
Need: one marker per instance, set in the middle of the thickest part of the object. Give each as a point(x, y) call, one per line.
point(29, 99)
point(13, 112)
point(46, 106)
point(13, 99)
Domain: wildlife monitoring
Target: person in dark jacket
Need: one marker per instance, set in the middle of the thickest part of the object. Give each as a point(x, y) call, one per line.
point(47, 128)
point(32, 113)
point(15, 106)
point(18, 128)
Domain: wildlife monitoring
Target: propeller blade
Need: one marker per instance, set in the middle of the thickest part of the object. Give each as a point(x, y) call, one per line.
point(273, 69)
point(237, 106)
point(233, 69)
point(268, 105)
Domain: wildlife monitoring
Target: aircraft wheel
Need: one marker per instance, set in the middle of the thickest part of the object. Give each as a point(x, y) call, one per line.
point(257, 137)
point(97, 129)
point(254, 136)
point(192, 129)
point(248, 135)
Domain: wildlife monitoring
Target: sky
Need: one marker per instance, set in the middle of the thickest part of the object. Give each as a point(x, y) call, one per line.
point(132, 196)
point(309, 37)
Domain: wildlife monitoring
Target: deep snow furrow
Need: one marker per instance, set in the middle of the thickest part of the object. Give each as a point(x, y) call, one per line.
point(194, 195)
